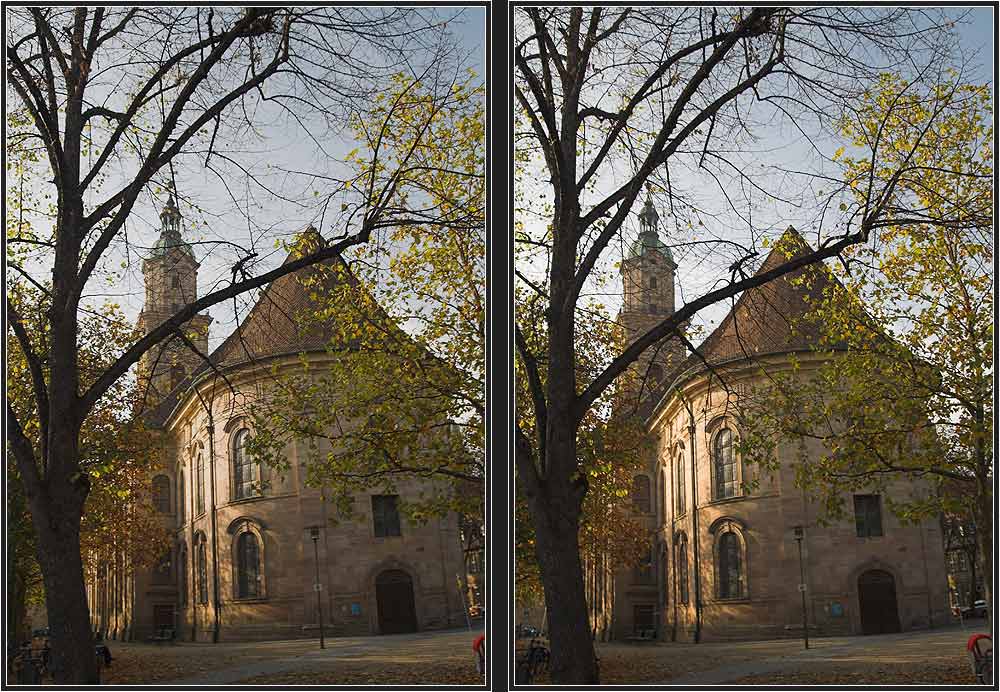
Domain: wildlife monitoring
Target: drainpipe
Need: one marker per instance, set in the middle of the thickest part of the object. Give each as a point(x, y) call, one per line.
point(672, 557)
point(215, 542)
point(192, 551)
point(694, 531)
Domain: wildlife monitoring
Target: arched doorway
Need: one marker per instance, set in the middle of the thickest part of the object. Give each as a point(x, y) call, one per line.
point(394, 595)
point(877, 602)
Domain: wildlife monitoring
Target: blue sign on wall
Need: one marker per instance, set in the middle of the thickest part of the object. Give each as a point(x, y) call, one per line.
point(355, 609)
point(836, 609)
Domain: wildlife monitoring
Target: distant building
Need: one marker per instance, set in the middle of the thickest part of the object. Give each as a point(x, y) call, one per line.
point(244, 560)
point(723, 562)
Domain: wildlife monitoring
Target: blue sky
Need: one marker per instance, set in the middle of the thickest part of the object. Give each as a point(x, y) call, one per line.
point(222, 218)
point(780, 145)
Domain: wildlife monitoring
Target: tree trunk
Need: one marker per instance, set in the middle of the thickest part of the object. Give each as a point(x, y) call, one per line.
point(58, 538)
point(557, 523)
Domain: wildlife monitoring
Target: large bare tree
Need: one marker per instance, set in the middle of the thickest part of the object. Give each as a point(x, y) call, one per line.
point(115, 101)
point(610, 101)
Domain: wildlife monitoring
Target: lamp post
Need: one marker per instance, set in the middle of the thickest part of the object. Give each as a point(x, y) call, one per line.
point(314, 533)
point(799, 533)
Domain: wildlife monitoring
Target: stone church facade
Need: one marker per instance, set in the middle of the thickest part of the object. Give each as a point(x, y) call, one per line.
point(724, 560)
point(250, 544)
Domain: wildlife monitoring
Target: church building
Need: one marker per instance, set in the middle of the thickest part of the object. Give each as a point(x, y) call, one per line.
point(725, 561)
point(255, 554)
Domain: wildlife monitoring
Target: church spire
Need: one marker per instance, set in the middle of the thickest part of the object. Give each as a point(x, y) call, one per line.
point(649, 238)
point(170, 231)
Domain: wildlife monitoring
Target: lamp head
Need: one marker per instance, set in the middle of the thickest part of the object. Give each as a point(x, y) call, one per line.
point(799, 532)
point(314, 532)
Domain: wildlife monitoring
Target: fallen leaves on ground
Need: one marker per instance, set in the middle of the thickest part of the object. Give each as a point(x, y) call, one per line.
point(133, 664)
point(340, 673)
point(957, 672)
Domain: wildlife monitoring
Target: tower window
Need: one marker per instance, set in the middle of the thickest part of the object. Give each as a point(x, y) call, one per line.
point(652, 307)
point(652, 282)
point(175, 281)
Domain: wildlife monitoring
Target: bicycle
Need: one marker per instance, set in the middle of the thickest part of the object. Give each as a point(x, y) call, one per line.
point(533, 662)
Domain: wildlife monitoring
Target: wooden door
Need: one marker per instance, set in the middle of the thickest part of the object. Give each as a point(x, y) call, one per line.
point(877, 603)
point(396, 609)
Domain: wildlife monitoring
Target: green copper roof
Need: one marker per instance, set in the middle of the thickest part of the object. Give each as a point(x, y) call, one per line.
point(170, 232)
point(648, 240)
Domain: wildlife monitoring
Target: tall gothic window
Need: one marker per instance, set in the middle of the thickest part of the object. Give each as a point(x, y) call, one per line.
point(682, 570)
point(247, 566)
point(640, 493)
point(679, 491)
point(161, 494)
point(246, 473)
point(652, 282)
point(199, 480)
point(730, 569)
point(201, 558)
point(724, 463)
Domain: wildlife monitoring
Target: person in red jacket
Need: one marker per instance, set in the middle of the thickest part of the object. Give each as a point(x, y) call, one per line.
point(479, 646)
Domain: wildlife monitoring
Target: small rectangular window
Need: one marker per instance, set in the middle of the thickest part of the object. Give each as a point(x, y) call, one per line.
point(643, 573)
point(385, 514)
point(867, 515)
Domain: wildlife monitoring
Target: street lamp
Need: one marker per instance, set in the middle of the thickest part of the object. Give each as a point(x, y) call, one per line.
point(314, 533)
point(799, 533)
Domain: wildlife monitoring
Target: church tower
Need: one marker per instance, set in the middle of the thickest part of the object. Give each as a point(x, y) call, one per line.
point(648, 281)
point(171, 278)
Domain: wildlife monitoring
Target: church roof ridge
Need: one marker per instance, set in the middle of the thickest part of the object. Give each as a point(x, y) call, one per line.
point(765, 320)
point(271, 327)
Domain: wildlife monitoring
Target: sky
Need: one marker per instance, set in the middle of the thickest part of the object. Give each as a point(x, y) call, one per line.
point(217, 208)
point(779, 146)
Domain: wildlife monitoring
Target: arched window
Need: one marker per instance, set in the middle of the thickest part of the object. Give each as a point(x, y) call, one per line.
point(730, 566)
point(246, 473)
point(679, 491)
point(199, 480)
point(201, 558)
point(682, 569)
point(161, 494)
point(182, 577)
point(247, 566)
point(640, 494)
point(724, 465)
point(652, 282)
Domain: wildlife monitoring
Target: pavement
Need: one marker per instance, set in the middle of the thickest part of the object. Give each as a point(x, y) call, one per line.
point(835, 652)
point(298, 655)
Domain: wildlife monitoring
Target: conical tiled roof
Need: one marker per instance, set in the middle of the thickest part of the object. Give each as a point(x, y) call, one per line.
point(273, 327)
point(767, 319)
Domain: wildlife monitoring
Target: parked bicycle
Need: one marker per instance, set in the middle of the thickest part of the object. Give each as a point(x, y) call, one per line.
point(534, 661)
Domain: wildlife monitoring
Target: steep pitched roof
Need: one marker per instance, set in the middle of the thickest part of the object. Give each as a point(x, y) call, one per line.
point(767, 319)
point(272, 327)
